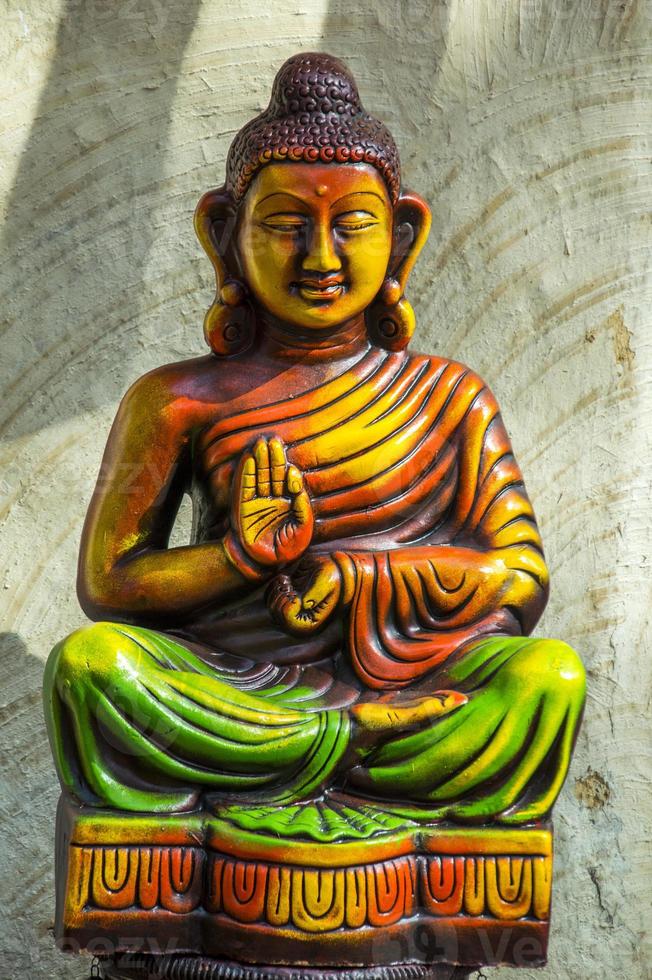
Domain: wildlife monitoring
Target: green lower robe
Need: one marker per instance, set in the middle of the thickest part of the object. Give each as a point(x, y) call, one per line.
point(139, 722)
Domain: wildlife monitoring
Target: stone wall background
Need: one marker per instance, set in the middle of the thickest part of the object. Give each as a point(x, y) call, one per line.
point(526, 123)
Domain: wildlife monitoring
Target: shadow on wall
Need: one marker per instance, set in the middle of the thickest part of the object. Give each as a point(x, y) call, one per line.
point(79, 225)
point(80, 222)
point(29, 791)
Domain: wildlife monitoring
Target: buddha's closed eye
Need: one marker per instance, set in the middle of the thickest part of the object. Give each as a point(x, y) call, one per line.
point(348, 221)
point(355, 221)
point(285, 222)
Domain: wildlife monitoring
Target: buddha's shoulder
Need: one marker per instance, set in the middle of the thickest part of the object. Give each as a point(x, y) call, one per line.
point(178, 387)
point(462, 380)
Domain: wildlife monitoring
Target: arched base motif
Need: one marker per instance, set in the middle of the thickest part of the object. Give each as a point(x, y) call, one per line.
point(191, 896)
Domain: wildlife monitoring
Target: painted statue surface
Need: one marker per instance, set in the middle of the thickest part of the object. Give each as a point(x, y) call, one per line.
point(346, 640)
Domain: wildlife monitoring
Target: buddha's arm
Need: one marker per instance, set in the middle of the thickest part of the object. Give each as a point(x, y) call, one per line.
point(492, 515)
point(126, 570)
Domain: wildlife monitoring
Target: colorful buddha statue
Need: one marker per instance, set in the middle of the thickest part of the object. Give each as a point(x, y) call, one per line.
point(342, 655)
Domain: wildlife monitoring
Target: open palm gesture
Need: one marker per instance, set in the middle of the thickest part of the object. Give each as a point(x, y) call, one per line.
point(271, 512)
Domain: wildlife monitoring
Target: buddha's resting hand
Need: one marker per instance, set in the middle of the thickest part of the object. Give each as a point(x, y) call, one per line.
point(271, 514)
point(304, 602)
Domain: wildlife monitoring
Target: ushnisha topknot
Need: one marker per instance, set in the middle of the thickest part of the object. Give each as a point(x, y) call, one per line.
point(314, 115)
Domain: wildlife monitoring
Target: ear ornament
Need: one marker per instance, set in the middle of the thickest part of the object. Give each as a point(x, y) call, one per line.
point(229, 324)
point(390, 317)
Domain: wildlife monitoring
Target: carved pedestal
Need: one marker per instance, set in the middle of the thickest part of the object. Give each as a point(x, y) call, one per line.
point(340, 886)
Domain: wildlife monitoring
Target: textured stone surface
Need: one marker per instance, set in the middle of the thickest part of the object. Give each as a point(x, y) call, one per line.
point(525, 124)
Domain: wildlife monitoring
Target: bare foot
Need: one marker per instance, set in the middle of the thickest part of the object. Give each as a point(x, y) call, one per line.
point(379, 718)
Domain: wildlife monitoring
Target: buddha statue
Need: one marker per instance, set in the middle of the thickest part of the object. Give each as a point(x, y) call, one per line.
point(346, 639)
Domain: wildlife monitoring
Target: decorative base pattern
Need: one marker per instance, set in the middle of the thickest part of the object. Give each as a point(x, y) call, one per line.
point(198, 883)
point(200, 968)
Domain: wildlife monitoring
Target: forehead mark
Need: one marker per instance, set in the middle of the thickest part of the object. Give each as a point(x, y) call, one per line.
point(321, 189)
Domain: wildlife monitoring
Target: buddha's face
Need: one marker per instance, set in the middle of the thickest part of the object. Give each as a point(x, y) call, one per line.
point(315, 240)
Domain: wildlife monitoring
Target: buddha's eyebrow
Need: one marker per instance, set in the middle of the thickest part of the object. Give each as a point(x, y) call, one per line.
point(280, 194)
point(339, 201)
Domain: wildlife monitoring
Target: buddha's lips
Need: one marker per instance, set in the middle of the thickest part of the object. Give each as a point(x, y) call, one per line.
point(328, 288)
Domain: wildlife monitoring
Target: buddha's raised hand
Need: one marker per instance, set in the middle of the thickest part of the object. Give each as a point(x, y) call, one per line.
point(304, 603)
point(271, 513)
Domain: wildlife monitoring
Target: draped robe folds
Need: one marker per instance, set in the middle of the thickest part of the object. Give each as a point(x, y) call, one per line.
point(417, 496)
point(412, 476)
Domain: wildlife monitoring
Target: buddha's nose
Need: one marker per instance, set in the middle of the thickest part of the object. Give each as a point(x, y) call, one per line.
point(321, 255)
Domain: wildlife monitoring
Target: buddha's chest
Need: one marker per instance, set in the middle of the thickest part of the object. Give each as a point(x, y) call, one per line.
point(375, 457)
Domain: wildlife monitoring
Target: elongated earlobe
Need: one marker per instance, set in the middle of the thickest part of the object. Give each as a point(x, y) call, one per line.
point(229, 324)
point(390, 318)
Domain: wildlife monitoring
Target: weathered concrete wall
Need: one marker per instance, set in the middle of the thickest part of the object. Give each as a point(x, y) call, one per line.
point(524, 122)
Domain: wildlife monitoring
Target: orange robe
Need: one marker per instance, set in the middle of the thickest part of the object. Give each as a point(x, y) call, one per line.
point(412, 476)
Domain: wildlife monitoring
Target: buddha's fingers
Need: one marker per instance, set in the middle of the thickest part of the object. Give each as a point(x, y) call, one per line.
point(441, 703)
point(278, 466)
point(484, 766)
point(263, 476)
point(245, 486)
point(286, 608)
point(294, 480)
point(393, 718)
point(301, 506)
point(404, 748)
point(282, 599)
point(416, 764)
point(289, 543)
